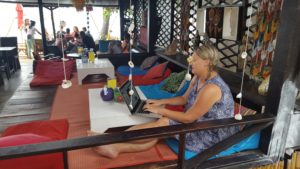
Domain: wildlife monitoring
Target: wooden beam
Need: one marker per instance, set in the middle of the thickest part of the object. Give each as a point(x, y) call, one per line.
point(84, 142)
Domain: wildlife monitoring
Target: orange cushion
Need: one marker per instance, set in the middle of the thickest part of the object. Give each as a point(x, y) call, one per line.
point(156, 71)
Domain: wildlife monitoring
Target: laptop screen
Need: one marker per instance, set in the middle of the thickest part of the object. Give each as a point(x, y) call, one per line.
point(124, 89)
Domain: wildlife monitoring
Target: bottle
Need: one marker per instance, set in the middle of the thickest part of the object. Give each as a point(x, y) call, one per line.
point(91, 56)
point(84, 57)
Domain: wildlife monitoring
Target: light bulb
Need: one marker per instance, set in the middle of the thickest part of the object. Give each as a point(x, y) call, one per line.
point(238, 116)
point(244, 55)
point(238, 96)
point(188, 77)
point(189, 59)
point(130, 63)
point(131, 92)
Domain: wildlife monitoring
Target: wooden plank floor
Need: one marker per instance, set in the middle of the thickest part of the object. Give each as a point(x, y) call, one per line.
point(24, 103)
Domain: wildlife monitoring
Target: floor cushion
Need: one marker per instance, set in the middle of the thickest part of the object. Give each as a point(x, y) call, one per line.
point(125, 70)
point(155, 91)
point(54, 129)
point(30, 133)
point(173, 82)
point(140, 80)
point(50, 72)
point(45, 161)
point(148, 62)
point(20, 139)
point(156, 71)
point(250, 143)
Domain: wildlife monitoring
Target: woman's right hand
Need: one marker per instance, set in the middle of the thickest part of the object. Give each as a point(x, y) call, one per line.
point(154, 102)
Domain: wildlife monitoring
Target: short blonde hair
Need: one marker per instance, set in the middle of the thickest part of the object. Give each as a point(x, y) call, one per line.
point(208, 52)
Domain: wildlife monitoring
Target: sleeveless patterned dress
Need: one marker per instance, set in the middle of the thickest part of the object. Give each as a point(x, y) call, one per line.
point(224, 108)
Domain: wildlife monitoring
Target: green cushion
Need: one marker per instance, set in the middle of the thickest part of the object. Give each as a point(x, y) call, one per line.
point(173, 82)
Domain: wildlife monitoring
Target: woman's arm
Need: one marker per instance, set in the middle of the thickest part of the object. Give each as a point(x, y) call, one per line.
point(207, 97)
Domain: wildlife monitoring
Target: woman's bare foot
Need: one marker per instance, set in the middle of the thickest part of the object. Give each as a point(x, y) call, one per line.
point(107, 151)
point(92, 133)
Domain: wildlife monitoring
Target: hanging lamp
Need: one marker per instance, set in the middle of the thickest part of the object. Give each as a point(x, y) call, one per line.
point(65, 83)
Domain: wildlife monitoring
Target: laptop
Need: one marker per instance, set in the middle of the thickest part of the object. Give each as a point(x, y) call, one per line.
point(136, 102)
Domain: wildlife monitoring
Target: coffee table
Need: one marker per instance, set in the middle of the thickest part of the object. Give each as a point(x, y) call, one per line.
point(104, 115)
point(100, 66)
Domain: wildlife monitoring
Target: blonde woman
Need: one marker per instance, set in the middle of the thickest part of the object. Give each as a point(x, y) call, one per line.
point(207, 98)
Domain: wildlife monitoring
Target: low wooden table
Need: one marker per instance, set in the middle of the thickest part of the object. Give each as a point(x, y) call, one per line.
point(101, 66)
point(104, 115)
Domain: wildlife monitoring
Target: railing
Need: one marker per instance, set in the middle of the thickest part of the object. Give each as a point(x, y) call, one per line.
point(255, 123)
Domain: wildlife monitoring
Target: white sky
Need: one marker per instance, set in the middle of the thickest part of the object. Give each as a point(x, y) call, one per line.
point(8, 19)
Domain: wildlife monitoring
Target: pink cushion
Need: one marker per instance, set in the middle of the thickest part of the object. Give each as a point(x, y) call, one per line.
point(51, 72)
point(54, 129)
point(47, 161)
point(156, 71)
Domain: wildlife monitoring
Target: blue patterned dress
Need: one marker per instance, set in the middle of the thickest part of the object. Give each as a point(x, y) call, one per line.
point(224, 108)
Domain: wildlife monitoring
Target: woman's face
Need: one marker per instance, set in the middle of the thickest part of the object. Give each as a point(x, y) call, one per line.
point(198, 64)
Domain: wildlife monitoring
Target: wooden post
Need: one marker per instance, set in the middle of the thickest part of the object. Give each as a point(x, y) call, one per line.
point(40, 3)
point(285, 59)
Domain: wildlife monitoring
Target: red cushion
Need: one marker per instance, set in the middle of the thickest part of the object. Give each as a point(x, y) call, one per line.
point(20, 139)
point(51, 72)
point(54, 129)
point(139, 80)
point(156, 71)
point(244, 110)
point(47, 161)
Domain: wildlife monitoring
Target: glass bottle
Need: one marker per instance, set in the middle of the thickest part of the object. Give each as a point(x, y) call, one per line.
point(91, 56)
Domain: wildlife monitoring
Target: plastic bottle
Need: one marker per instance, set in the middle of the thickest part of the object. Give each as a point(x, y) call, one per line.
point(84, 57)
point(91, 56)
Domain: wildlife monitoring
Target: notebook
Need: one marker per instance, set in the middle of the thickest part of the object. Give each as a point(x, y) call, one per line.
point(135, 100)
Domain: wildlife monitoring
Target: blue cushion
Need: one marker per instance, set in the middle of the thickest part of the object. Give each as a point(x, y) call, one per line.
point(125, 70)
point(252, 142)
point(154, 91)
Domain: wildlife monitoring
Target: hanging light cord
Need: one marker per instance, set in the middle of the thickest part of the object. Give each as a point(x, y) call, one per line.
point(130, 58)
point(62, 43)
point(245, 60)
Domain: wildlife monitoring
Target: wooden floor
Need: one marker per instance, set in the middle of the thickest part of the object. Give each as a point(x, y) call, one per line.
point(19, 103)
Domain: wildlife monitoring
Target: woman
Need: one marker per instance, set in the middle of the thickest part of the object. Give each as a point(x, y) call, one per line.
point(30, 38)
point(207, 98)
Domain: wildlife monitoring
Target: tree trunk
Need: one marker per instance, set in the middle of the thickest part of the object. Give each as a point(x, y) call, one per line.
point(105, 26)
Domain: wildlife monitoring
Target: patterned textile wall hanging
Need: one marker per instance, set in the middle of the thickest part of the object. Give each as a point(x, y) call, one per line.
point(264, 39)
point(184, 27)
point(214, 22)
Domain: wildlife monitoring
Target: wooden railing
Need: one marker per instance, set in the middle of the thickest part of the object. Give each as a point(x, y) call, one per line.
point(253, 124)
